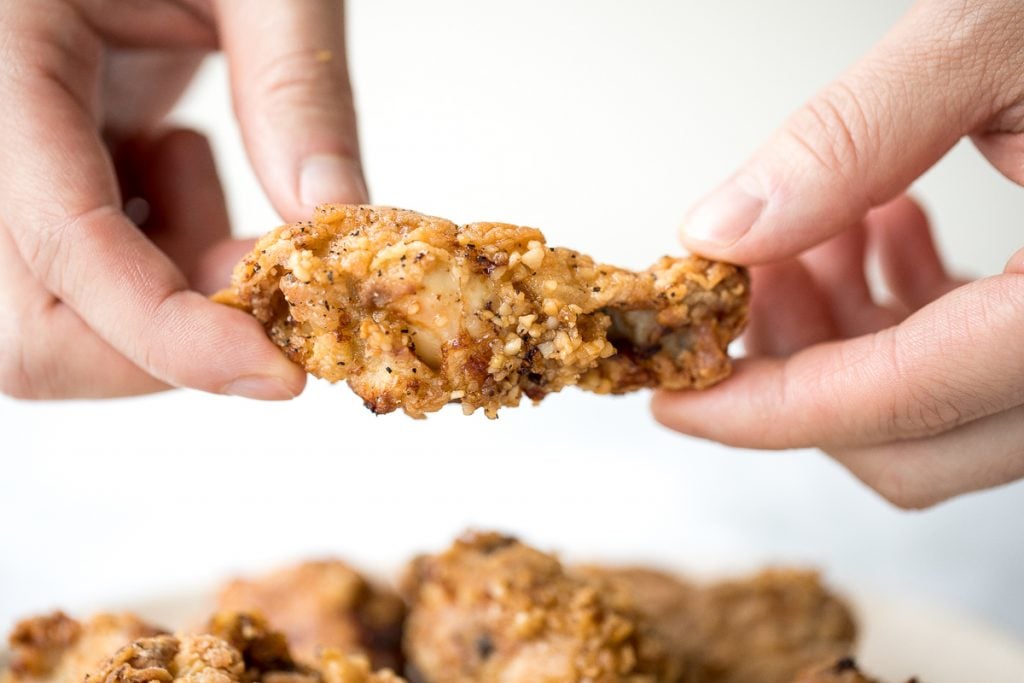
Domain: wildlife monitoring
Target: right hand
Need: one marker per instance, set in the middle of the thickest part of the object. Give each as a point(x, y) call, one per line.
point(92, 305)
point(921, 397)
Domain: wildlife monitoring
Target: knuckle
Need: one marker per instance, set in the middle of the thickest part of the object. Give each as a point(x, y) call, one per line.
point(42, 254)
point(925, 363)
point(833, 129)
point(927, 400)
point(158, 354)
point(51, 40)
point(923, 410)
point(50, 249)
point(304, 77)
point(305, 89)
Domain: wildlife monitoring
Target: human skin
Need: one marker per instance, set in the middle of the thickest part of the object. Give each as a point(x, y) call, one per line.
point(92, 305)
point(921, 397)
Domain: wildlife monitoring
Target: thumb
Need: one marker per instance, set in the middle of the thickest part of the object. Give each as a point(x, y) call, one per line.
point(293, 100)
point(862, 140)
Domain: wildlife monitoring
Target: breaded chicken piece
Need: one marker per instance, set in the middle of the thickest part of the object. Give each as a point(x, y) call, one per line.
point(208, 659)
point(58, 649)
point(416, 312)
point(491, 609)
point(763, 629)
point(324, 603)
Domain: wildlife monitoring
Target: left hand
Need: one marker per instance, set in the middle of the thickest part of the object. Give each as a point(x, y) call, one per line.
point(97, 299)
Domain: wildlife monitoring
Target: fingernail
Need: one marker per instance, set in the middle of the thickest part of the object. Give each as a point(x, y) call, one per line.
point(726, 214)
point(327, 178)
point(261, 387)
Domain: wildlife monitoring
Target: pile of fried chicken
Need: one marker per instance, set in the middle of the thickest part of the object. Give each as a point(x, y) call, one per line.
point(489, 609)
point(416, 312)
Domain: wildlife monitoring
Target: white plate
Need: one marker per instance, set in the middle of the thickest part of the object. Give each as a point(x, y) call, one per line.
point(899, 639)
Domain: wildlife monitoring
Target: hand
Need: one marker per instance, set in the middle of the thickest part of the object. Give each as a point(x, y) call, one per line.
point(923, 397)
point(92, 305)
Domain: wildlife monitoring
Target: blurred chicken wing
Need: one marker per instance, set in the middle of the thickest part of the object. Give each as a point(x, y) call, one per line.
point(491, 610)
point(58, 649)
point(762, 629)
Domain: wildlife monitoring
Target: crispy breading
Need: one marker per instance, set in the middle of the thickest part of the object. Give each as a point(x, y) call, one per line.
point(762, 629)
point(337, 667)
point(491, 609)
point(205, 658)
point(263, 650)
point(58, 649)
point(167, 659)
point(416, 312)
point(324, 603)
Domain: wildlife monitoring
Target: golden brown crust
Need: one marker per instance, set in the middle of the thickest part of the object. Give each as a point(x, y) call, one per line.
point(263, 650)
point(324, 603)
point(56, 648)
point(491, 609)
point(416, 312)
point(666, 600)
point(336, 667)
point(764, 629)
point(240, 648)
point(167, 659)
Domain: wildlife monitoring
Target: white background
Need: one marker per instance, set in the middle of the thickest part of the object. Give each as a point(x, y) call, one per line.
point(599, 122)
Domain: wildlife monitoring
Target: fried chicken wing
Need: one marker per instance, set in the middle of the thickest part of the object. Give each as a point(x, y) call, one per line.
point(58, 649)
point(324, 603)
point(416, 312)
point(491, 609)
point(764, 629)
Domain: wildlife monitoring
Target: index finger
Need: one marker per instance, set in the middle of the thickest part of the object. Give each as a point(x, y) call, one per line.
point(63, 211)
point(290, 85)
